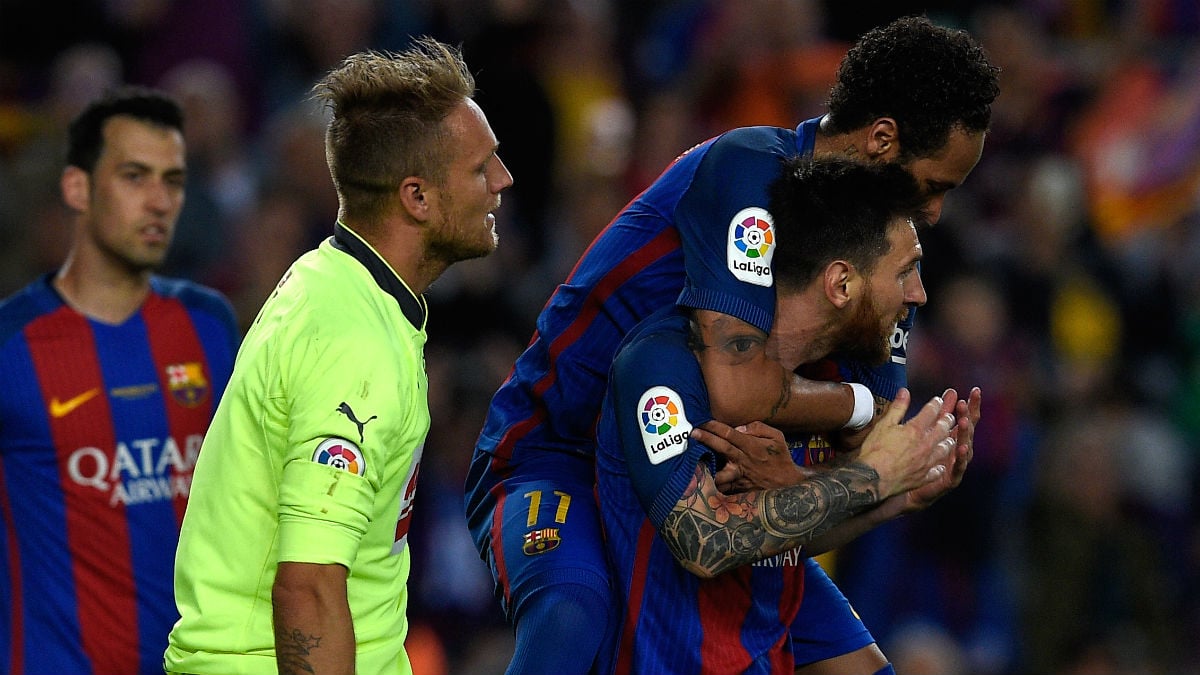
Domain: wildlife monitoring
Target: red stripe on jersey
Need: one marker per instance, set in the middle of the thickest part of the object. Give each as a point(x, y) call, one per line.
point(664, 243)
point(637, 590)
point(16, 655)
point(497, 542)
point(782, 660)
point(723, 603)
point(64, 358)
point(186, 382)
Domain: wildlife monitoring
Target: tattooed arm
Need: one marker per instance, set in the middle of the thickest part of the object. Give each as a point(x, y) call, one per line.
point(314, 632)
point(731, 353)
point(709, 532)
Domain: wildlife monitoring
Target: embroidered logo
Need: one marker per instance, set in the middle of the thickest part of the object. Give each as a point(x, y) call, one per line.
point(346, 410)
point(341, 454)
point(664, 424)
point(63, 408)
point(187, 383)
point(751, 246)
point(541, 541)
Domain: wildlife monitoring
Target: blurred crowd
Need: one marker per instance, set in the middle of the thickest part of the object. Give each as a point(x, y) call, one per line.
point(1064, 277)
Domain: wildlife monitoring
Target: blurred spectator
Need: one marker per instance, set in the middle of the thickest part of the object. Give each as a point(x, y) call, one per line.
point(1096, 579)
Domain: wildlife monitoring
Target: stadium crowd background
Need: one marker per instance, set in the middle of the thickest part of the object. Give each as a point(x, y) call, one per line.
point(1064, 277)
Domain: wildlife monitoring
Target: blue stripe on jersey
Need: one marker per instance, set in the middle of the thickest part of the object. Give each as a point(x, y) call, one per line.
point(140, 425)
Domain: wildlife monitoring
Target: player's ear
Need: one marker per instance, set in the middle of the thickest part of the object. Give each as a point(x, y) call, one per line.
point(76, 188)
point(414, 195)
point(841, 283)
point(883, 140)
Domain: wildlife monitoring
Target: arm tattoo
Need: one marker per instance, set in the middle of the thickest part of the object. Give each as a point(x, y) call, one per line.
point(292, 650)
point(785, 395)
point(711, 533)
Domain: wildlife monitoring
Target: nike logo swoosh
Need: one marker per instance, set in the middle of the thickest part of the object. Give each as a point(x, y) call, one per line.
point(62, 408)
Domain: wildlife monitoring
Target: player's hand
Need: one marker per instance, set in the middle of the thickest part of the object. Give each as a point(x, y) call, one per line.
point(910, 455)
point(967, 413)
point(756, 456)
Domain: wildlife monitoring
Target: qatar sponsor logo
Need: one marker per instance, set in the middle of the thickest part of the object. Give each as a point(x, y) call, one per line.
point(792, 558)
point(141, 471)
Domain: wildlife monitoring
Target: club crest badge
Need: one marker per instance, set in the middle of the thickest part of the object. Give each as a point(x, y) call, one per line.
point(664, 424)
point(751, 246)
point(541, 541)
point(187, 383)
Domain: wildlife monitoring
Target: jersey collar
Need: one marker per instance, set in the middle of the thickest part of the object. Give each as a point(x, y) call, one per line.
point(412, 305)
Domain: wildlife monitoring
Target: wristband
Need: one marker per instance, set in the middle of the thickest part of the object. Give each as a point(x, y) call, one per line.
point(864, 407)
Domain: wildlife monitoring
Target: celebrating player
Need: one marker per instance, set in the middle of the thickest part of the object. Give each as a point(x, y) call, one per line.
point(910, 93)
point(712, 582)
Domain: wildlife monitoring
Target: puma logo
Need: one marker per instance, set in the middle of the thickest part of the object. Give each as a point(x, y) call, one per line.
point(346, 410)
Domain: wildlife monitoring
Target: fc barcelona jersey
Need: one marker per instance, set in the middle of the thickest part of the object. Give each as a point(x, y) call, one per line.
point(100, 426)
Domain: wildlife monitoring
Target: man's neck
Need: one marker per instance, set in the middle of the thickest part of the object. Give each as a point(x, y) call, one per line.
point(104, 294)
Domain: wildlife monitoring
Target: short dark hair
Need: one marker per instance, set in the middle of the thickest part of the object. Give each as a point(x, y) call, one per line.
point(928, 78)
point(388, 109)
point(85, 135)
point(836, 208)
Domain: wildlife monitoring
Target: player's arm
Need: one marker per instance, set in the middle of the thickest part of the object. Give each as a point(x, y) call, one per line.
point(746, 383)
point(314, 632)
point(710, 532)
point(758, 466)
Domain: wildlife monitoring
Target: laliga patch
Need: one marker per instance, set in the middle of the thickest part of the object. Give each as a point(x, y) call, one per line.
point(540, 541)
point(341, 454)
point(664, 424)
point(751, 245)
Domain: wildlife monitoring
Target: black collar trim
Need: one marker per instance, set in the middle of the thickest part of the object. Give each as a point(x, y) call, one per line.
point(412, 305)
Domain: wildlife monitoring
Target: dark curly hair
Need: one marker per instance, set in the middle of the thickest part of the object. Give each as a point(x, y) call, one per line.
point(821, 213)
point(928, 78)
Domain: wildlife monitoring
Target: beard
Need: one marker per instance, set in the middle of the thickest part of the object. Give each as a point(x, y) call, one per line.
point(456, 238)
point(864, 337)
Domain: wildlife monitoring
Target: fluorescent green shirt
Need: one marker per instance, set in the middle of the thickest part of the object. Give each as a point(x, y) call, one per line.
point(312, 457)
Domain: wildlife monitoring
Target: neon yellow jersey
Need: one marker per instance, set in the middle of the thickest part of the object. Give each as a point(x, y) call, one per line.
point(312, 456)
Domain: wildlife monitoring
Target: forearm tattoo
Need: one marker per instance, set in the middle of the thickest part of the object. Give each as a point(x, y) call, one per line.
point(292, 651)
point(710, 532)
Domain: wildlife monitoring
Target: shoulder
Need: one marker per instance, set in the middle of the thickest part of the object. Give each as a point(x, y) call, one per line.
point(27, 304)
point(196, 297)
point(660, 337)
point(755, 142)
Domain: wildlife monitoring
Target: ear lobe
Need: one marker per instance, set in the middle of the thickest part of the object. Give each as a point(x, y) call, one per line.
point(414, 196)
point(840, 282)
point(76, 188)
point(883, 140)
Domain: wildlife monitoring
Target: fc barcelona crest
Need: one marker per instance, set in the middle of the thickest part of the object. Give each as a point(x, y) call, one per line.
point(187, 383)
point(540, 541)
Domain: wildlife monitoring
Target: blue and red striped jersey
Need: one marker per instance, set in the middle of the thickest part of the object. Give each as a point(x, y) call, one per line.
point(697, 236)
point(100, 426)
point(672, 620)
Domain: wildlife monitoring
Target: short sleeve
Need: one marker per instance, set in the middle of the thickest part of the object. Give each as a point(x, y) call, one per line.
point(657, 395)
